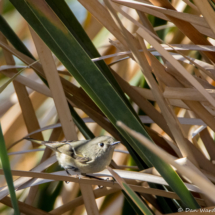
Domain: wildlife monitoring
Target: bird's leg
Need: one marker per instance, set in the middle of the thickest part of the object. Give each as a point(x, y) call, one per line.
point(68, 174)
point(75, 170)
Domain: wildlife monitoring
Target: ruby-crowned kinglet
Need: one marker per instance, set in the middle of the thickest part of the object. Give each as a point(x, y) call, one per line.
point(84, 156)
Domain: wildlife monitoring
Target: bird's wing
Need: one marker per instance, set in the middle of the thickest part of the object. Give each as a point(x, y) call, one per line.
point(78, 155)
point(70, 148)
point(81, 159)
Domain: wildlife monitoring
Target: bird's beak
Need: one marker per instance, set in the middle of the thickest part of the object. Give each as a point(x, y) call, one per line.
point(115, 143)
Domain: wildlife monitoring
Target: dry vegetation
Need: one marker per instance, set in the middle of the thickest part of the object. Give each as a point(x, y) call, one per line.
point(155, 63)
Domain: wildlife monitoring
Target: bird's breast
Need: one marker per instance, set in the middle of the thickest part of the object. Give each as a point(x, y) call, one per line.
point(65, 161)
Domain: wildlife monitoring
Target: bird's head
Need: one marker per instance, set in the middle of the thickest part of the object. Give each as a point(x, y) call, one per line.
point(102, 145)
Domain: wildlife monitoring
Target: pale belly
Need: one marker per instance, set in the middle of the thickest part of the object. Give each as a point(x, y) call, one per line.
point(97, 165)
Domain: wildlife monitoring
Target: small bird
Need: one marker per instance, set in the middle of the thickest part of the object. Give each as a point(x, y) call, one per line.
point(84, 156)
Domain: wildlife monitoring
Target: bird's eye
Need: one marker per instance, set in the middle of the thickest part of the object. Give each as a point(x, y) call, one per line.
point(101, 144)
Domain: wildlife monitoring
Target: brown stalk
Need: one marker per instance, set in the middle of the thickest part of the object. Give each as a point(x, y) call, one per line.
point(79, 200)
point(98, 193)
point(102, 15)
point(192, 6)
point(143, 33)
point(207, 11)
point(208, 142)
point(186, 27)
point(189, 94)
point(92, 182)
point(204, 30)
point(23, 207)
point(42, 89)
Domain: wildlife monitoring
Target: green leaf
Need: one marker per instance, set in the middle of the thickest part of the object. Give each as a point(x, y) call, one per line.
point(7, 172)
point(134, 197)
point(97, 86)
point(132, 204)
point(127, 207)
point(13, 38)
point(137, 203)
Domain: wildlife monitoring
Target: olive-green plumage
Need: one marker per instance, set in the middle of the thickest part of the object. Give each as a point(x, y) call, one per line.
point(85, 156)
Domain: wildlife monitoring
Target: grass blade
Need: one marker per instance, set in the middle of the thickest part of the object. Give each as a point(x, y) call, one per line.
point(13, 38)
point(131, 194)
point(7, 172)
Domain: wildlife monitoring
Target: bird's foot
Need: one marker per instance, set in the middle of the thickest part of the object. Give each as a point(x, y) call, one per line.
point(112, 180)
point(90, 176)
point(78, 176)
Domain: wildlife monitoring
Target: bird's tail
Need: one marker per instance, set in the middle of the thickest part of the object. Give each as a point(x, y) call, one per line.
point(54, 145)
point(35, 141)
